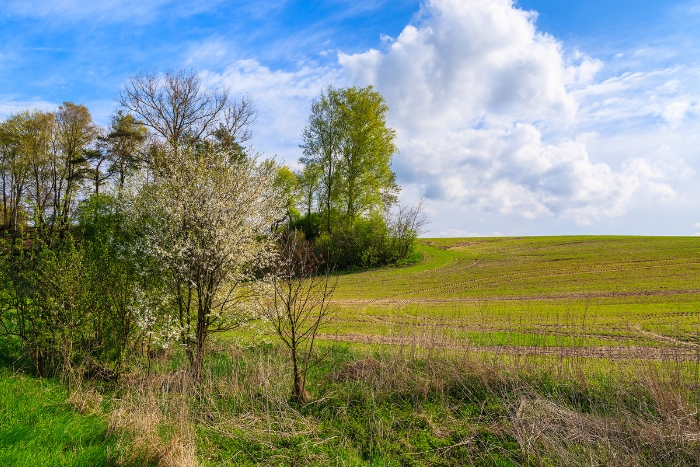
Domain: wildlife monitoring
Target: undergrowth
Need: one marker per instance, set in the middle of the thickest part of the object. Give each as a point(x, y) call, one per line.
point(411, 406)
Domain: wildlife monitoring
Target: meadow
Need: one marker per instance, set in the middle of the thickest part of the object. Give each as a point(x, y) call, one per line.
point(536, 351)
point(598, 292)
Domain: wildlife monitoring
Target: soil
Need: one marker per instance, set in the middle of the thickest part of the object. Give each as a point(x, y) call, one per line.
point(681, 353)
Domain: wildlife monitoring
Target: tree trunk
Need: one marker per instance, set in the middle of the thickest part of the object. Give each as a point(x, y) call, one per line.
point(299, 393)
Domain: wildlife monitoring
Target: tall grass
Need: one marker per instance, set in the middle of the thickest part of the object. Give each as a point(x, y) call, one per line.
point(420, 402)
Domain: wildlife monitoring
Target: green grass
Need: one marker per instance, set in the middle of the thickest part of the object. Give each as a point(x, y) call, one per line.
point(37, 427)
point(445, 407)
point(411, 407)
point(607, 290)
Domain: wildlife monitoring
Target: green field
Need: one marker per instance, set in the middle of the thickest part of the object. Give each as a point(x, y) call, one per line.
point(581, 291)
point(512, 319)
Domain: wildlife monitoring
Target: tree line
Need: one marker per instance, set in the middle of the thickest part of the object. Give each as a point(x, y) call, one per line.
point(166, 227)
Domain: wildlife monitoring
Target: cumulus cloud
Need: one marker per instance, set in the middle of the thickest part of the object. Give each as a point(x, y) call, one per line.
point(492, 113)
point(282, 97)
point(470, 59)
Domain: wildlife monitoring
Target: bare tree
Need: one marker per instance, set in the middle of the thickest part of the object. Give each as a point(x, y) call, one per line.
point(178, 107)
point(296, 301)
point(407, 222)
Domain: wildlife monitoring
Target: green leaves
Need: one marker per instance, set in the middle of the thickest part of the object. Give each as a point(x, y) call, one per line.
point(348, 147)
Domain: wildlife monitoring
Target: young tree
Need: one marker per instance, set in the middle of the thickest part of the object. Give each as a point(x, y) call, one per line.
point(204, 227)
point(295, 300)
point(406, 222)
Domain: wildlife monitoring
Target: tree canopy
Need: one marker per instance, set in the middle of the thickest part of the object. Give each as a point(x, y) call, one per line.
point(348, 147)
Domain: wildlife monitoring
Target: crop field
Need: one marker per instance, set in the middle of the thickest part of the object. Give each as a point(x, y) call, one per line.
point(617, 297)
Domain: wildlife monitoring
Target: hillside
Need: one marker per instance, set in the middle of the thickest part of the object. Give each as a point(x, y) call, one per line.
point(600, 291)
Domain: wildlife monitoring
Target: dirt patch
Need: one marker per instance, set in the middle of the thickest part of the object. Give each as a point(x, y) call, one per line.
point(463, 244)
point(608, 352)
point(660, 337)
point(357, 370)
point(563, 296)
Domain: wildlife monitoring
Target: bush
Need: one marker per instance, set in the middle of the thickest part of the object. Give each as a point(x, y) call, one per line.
point(69, 299)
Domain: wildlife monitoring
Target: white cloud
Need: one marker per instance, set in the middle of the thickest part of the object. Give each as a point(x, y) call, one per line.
point(209, 51)
point(10, 104)
point(491, 113)
point(471, 59)
point(104, 10)
point(458, 233)
point(282, 97)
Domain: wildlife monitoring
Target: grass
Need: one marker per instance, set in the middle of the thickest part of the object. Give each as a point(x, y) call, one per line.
point(38, 426)
point(416, 406)
point(494, 352)
point(592, 290)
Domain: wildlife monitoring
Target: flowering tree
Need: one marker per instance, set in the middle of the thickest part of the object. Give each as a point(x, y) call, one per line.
point(204, 225)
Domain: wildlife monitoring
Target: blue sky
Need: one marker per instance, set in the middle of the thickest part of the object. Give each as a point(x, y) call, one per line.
point(529, 118)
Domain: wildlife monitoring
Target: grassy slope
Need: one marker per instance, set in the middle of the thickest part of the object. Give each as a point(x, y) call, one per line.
point(583, 290)
point(37, 428)
point(560, 290)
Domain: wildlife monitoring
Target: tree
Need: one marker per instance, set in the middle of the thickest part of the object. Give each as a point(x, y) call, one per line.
point(204, 227)
point(307, 188)
point(39, 188)
point(180, 109)
point(295, 300)
point(125, 145)
point(14, 168)
point(406, 222)
point(366, 180)
point(97, 158)
point(322, 139)
point(286, 185)
point(350, 146)
point(75, 132)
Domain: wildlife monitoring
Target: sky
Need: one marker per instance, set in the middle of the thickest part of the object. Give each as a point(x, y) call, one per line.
point(529, 117)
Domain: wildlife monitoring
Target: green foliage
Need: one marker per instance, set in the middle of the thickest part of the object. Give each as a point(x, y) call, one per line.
point(347, 178)
point(71, 300)
point(286, 184)
point(125, 142)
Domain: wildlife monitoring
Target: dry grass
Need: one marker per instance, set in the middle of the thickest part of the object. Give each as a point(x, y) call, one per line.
point(151, 418)
point(476, 407)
